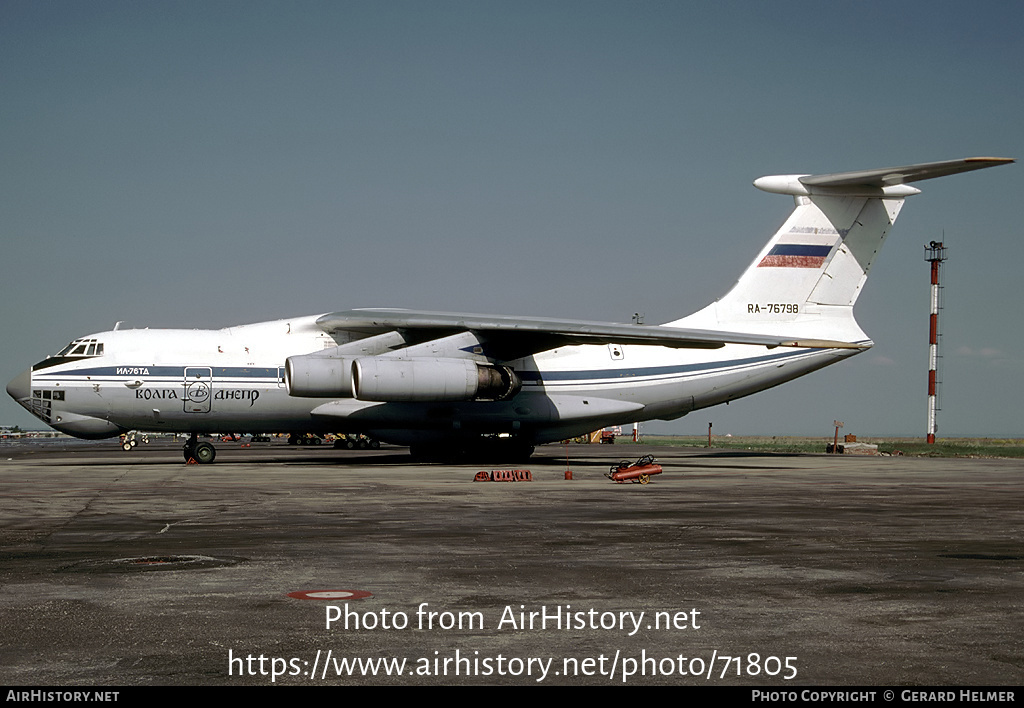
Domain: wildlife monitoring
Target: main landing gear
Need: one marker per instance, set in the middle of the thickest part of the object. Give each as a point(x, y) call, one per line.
point(356, 442)
point(201, 452)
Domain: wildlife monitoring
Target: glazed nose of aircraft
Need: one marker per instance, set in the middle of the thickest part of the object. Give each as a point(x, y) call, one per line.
point(21, 385)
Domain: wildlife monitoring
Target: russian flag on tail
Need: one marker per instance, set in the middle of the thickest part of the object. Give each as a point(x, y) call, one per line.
point(795, 255)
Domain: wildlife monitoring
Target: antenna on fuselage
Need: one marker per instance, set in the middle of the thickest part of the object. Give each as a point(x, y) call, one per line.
point(117, 325)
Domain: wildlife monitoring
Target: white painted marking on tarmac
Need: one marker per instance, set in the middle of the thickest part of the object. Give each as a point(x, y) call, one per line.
point(330, 594)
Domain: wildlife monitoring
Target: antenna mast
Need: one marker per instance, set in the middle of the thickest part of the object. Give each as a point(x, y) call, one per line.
point(934, 253)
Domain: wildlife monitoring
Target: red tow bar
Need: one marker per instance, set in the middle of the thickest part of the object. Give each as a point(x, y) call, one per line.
point(638, 472)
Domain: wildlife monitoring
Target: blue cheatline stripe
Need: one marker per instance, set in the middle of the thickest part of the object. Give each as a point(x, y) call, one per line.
point(537, 377)
point(242, 372)
point(800, 249)
point(620, 374)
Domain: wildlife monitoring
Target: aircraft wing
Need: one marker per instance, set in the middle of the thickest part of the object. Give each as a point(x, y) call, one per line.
point(511, 337)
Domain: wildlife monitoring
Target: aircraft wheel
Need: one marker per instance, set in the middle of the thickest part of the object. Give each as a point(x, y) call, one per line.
point(362, 444)
point(204, 453)
point(375, 444)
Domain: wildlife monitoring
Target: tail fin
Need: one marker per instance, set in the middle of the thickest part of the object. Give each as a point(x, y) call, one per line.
point(805, 281)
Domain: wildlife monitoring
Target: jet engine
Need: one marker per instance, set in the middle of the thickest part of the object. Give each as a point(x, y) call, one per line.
point(318, 376)
point(426, 379)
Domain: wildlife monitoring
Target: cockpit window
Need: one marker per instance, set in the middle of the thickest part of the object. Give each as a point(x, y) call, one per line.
point(83, 348)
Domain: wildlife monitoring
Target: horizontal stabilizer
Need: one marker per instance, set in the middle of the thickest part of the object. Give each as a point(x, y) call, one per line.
point(885, 181)
point(888, 176)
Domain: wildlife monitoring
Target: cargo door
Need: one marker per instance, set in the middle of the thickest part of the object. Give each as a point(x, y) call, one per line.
point(198, 389)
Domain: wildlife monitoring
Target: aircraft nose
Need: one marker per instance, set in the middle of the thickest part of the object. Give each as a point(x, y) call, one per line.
point(21, 385)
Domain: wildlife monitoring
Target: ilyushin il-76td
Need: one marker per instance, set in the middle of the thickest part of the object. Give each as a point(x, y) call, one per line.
point(447, 382)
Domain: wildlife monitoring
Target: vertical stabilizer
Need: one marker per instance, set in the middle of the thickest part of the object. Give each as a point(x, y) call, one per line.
point(808, 277)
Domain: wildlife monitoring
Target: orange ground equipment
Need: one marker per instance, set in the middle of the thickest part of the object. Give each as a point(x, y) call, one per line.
point(504, 476)
point(638, 472)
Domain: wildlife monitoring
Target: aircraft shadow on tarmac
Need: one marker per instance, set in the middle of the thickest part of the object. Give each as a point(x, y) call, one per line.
point(575, 456)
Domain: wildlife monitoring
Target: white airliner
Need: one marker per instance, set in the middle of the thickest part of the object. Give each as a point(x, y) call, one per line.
point(447, 382)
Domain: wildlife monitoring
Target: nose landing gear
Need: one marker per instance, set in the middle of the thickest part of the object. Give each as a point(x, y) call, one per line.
point(202, 452)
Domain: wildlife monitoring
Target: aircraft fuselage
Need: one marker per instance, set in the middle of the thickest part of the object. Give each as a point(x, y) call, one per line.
point(201, 381)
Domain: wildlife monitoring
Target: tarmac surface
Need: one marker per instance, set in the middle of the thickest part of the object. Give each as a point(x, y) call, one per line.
point(133, 568)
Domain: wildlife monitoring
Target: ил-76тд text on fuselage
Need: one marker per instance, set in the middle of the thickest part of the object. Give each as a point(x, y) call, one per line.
point(443, 380)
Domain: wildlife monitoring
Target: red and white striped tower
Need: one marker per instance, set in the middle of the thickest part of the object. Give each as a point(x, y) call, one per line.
point(934, 253)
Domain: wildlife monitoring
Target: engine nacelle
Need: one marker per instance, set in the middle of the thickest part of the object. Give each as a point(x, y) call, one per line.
point(425, 379)
point(318, 377)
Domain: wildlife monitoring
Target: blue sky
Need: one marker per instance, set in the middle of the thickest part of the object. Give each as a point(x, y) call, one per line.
point(203, 164)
